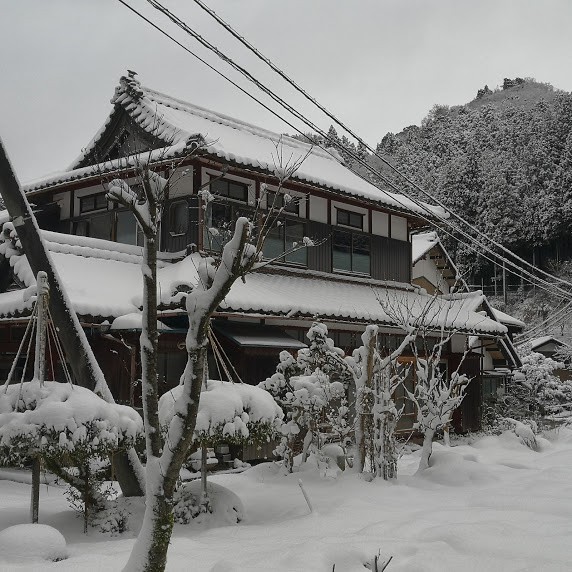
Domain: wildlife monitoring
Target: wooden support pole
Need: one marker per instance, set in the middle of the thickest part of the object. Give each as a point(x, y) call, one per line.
point(35, 500)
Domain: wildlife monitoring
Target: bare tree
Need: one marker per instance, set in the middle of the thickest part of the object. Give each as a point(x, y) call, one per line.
point(240, 255)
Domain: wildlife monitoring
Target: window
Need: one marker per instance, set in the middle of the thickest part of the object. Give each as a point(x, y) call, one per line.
point(349, 218)
point(93, 203)
point(231, 189)
point(178, 218)
point(407, 419)
point(101, 226)
point(218, 223)
point(128, 230)
point(282, 238)
point(276, 201)
point(351, 252)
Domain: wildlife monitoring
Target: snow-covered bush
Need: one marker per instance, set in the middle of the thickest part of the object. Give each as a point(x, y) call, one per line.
point(113, 518)
point(311, 389)
point(228, 413)
point(534, 393)
point(72, 430)
point(225, 507)
point(60, 419)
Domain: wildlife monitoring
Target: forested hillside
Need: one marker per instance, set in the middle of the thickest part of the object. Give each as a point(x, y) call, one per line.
point(502, 161)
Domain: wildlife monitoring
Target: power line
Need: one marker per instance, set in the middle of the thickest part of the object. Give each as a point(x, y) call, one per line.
point(424, 207)
point(314, 101)
point(211, 47)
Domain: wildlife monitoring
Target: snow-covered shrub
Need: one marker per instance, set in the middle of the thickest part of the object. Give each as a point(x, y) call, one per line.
point(113, 518)
point(535, 392)
point(228, 412)
point(224, 507)
point(311, 389)
point(525, 430)
point(72, 430)
point(59, 419)
point(550, 395)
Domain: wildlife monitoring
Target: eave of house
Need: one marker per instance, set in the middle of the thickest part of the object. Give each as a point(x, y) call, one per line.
point(103, 281)
point(177, 124)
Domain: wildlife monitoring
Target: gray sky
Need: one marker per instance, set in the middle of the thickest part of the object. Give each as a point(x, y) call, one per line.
point(380, 65)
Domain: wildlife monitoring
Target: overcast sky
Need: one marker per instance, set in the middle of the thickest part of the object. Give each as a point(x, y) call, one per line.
point(380, 65)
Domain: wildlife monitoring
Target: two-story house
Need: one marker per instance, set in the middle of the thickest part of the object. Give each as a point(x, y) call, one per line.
point(359, 268)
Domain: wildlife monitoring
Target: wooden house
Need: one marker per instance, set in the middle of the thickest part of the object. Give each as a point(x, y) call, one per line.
point(363, 254)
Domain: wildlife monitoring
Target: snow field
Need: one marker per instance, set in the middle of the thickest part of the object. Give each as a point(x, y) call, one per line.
point(484, 504)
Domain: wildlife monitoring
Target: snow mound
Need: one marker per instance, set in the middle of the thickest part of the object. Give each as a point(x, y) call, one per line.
point(448, 468)
point(224, 506)
point(27, 541)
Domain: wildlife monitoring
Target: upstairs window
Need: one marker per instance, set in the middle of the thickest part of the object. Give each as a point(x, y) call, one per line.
point(178, 218)
point(276, 201)
point(127, 230)
point(284, 236)
point(349, 218)
point(218, 223)
point(93, 203)
point(230, 189)
point(351, 252)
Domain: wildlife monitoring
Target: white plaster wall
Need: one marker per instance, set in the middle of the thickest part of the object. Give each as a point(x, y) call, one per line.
point(458, 344)
point(380, 223)
point(427, 269)
point(399, 228)
point(318, 209)
point(64, 202)
point(487, 361)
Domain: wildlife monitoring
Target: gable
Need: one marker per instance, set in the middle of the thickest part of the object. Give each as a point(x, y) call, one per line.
point(119, 137)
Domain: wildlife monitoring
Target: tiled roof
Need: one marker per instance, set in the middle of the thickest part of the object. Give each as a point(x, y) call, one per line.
point(103, 279)
point(177, 122)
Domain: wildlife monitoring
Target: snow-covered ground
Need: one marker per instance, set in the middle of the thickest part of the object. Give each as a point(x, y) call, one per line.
point(491, 504)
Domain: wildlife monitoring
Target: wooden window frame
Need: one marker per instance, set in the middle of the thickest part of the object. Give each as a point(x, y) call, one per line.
point(349, 218)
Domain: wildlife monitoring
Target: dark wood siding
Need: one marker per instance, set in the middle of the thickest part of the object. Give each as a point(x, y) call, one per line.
point(390, 259)
point(180, 242)
point(320, 257)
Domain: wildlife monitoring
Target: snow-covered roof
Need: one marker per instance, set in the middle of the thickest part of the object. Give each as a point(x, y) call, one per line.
point(422, 243)
point(177, 122)
point(507, 320)
point(103, 279)
point(539, 342)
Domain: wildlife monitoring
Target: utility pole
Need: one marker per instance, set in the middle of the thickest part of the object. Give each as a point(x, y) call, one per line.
point(504, 288)
point(84, 366)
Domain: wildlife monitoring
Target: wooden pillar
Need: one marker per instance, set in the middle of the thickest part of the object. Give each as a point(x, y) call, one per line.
point(35, 500)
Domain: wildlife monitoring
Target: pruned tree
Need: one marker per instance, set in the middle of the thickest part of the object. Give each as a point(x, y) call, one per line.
point(241, 254)
point(429, 328)
point(377, 377)
point(436, 395)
